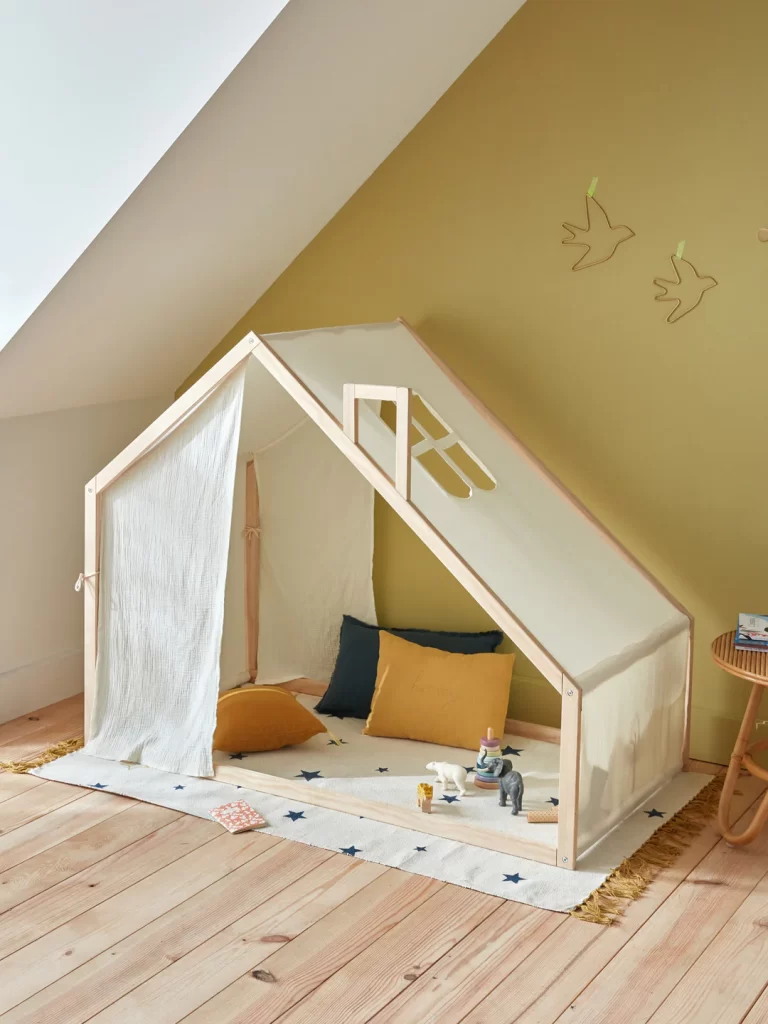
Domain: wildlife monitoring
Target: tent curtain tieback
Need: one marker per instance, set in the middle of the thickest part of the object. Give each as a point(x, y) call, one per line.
point(82, 578)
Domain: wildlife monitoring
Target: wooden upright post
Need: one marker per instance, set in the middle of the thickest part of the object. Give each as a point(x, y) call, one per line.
point(91, 603)
point(252, 554)
point(570, 767)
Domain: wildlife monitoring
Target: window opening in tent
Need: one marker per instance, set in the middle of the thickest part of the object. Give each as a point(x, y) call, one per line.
point(450, 463)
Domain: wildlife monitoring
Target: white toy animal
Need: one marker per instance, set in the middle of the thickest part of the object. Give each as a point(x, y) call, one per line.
point(450, 775)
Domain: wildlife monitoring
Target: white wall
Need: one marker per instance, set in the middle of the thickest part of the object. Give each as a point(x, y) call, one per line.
point(45, 461)
point(91, 96)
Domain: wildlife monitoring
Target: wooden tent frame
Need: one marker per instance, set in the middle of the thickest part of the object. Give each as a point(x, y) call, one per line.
point(397, 494)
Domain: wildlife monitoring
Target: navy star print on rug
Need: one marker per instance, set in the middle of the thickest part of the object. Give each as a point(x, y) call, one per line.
point(309, 775)
point(350, 850)
point(382, 770)
point(514, 878)
point(554, 801)
point(178, 787)
point(449, 799)
point(99, 785)
point(655, 814)
point(294, 815)
point(420, 849)
point(511, 750)
point(236, 757)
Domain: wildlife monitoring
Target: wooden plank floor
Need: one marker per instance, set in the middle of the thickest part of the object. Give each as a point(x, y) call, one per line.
point(116, 911)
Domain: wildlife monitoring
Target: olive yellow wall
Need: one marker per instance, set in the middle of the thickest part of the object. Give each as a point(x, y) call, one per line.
point(659, 428)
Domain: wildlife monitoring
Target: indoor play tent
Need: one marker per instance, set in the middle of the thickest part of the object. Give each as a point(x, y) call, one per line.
point(275, 453)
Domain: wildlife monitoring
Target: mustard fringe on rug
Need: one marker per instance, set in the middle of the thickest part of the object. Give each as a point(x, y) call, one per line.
point(51, 754)
point(633, 876)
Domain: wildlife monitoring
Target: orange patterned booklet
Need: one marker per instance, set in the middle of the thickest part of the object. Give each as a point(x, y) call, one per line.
point(237, 816)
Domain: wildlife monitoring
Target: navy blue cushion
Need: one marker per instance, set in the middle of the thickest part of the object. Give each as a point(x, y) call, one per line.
point(350, 691)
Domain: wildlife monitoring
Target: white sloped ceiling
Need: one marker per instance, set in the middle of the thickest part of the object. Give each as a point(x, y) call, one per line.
point(91, 96)
point(320, 99)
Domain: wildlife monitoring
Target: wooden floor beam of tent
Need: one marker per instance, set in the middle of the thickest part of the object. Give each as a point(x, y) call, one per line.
point(119, 912)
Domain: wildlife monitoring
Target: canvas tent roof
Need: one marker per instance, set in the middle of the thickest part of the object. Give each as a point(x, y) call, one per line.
point(531, 545)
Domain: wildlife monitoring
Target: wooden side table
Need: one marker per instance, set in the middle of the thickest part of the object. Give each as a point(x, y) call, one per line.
point(752, 665)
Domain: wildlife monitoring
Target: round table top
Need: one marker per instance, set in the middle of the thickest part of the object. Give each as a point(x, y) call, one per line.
point(752, 665)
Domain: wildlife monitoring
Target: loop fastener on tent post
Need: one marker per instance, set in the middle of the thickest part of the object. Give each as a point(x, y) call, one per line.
point(251, 531)
point(82, 578)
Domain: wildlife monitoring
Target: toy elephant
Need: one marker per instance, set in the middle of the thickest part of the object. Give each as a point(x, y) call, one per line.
point(450, 774)
point(510, 782)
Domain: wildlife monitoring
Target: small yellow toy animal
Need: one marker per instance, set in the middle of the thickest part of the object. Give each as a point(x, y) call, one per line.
point(424, 796)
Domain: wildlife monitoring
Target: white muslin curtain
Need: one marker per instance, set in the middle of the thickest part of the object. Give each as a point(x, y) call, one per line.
point(165, 538)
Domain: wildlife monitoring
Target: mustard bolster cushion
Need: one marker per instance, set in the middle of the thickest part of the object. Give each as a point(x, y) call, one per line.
point(262, 718)
point(436, 696)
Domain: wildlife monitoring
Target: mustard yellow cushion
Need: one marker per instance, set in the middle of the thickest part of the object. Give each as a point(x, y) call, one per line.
point(439, 697)
point(262, 718)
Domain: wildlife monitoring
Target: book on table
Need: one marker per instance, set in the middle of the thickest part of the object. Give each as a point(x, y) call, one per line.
point(751, 633)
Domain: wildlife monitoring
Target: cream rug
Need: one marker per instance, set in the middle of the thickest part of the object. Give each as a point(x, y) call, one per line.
point(498, 874)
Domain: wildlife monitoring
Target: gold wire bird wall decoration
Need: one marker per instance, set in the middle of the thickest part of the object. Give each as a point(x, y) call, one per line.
point(686, 291)
point(600, 238)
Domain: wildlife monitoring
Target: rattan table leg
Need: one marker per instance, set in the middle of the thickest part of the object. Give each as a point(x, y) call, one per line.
point(732, 776)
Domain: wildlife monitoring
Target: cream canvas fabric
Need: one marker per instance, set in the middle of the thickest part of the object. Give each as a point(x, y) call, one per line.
point(631, 737)
point(316, 542)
